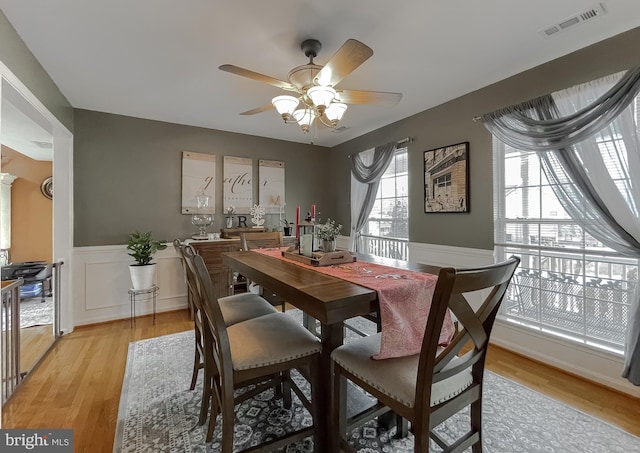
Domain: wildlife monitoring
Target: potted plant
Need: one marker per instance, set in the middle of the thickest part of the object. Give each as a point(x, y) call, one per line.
point(328, 232)
point(286, 229)
point(142, 247)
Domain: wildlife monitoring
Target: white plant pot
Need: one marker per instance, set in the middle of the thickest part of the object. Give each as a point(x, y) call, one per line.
point(142, 277)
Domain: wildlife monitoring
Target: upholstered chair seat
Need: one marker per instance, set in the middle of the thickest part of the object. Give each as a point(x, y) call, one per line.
point(396, 377)
point(244, 306)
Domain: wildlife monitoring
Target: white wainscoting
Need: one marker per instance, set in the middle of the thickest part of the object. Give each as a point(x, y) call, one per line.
point(589, 363)
point(102, 281)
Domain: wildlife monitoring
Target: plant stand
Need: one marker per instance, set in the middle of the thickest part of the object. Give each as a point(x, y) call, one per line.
point(134, 293)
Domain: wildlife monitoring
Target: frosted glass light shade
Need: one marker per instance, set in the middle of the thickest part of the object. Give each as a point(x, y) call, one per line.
point(335, 112)
point(285, 105)
point(304, 117)
point(321, 97)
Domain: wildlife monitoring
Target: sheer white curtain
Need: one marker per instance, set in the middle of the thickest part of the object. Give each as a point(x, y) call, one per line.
point(613, 171)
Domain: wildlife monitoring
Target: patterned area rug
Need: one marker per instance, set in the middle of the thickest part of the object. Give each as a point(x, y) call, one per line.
point(158, 413)
point(34, 312)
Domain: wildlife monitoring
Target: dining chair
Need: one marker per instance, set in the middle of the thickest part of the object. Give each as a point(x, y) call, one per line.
point(264, 240)
point(259, 353)
point(198, 360)
point(236, 308)
point(178, 246)
point(428, 388)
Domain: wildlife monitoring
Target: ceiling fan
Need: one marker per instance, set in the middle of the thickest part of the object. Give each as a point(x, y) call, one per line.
point(314, 86)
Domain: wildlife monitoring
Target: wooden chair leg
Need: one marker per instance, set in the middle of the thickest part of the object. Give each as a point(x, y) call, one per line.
point(286, 389)
point(476, 424)
point(338, 415)
point(213, 416)
point(319, 419)
point(421, 439)
point(402, 427)
point(206, 397)
point(228, 421)
point(196, 368)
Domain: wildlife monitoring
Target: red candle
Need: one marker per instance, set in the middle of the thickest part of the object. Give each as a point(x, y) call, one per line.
point(297, 222)
point(313, 212)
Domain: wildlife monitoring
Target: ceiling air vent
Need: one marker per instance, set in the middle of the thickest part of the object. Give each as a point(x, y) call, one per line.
point(337, 130)
point(579, 18)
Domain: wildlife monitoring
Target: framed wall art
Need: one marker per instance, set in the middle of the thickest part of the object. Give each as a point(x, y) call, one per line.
point(446, 179)
point(238, 184)
point(271, 189)
point(198, 174)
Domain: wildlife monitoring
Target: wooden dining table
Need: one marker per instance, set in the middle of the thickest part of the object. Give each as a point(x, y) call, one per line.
point(329, 300)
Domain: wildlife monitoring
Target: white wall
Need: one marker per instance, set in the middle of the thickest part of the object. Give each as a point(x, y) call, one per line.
point(102, 281)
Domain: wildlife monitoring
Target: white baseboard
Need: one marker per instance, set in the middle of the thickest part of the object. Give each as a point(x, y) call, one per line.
point(102, 281)
point(588, 363)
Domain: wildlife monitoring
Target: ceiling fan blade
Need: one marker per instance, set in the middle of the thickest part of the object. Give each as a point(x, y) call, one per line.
point(351, 55)
point(367, 97)
point(264, 108)
point(257, 76)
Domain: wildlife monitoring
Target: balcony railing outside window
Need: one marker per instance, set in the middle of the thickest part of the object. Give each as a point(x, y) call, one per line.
point(386, 233)
point(385, 247)
point(568, 283)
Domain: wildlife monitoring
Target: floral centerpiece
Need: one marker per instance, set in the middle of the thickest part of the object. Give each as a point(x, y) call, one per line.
point(328, 232)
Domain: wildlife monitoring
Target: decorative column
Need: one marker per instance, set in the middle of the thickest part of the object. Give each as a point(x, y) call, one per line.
point(6, 180)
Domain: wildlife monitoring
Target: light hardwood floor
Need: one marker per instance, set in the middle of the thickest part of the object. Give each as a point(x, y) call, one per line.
point(78, 383)
point(34, 343)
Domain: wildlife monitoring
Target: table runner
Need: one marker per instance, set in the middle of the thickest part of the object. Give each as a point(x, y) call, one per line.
point(404, 297)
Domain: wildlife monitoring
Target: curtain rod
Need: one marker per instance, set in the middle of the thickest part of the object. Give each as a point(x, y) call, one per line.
point(398, 143)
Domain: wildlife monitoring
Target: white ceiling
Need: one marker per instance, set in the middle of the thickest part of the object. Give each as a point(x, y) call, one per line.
point(159, 59)
point(23, 127)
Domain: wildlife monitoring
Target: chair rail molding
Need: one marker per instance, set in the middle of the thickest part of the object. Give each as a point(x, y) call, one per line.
point(102, 281)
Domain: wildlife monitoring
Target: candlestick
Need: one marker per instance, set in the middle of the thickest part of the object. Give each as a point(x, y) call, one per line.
point(313, 212)
point(297, 222)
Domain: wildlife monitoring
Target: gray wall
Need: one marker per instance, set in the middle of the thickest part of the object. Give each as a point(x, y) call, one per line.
point(19, 59)
point(452, 123)
point(128, 173)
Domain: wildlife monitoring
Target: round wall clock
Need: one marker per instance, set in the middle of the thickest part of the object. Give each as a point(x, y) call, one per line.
point(47, 187)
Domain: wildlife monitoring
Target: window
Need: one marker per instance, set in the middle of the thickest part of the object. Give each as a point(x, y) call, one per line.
point(387, 230)
point(568, 283)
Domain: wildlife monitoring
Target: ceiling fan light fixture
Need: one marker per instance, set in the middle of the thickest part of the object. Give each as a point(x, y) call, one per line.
point(321, 96)
point(285, 105)
point(304, 117)
point(334, 112)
